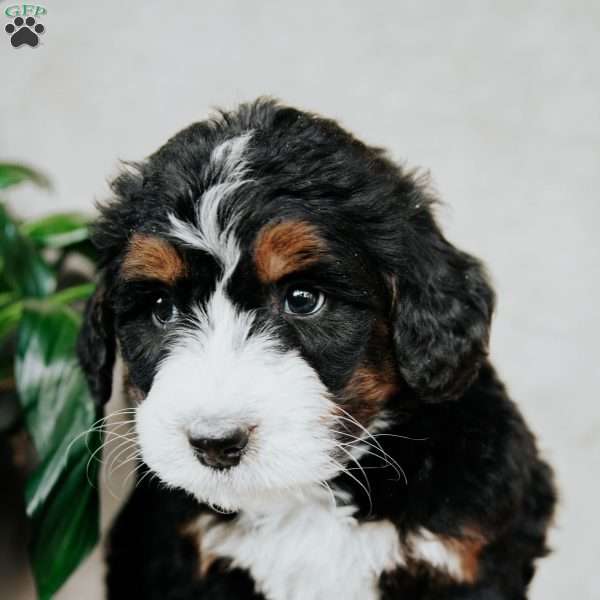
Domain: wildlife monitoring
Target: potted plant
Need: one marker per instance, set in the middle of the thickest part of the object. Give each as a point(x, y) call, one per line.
point(46, 266)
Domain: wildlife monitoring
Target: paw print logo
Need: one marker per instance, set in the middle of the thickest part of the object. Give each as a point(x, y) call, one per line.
point(24, 32)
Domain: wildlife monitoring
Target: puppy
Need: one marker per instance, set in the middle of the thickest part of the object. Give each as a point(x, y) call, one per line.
point(307, 358)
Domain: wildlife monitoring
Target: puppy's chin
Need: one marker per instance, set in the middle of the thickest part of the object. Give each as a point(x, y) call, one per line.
point(225, 497)
point(236, 489)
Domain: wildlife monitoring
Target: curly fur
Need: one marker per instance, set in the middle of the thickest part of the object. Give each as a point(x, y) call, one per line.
point(400, 349)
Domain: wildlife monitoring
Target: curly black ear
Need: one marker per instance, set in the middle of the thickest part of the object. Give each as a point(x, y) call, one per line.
point(96, 345)
point(443, 309)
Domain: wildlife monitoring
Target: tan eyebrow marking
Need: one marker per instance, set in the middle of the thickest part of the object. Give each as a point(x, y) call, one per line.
point(286, 247)
point(151, 257)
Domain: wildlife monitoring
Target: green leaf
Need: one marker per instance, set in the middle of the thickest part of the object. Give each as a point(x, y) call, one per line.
point(7, 298)
point(57, 231)
point(61, 502)
point(22, 266)
point(10, 314)
point(11, 174)
point(71, 294)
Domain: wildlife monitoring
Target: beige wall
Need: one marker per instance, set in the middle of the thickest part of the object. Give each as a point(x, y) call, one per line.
point(500, 100)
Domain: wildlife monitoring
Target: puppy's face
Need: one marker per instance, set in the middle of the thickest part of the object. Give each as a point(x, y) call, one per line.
point(251, 280)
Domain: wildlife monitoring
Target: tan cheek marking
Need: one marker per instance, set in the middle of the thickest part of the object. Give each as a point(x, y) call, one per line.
point(366, 392)
point(286, 247)
point(374, 382)
point(372, 385)
point(153, 258)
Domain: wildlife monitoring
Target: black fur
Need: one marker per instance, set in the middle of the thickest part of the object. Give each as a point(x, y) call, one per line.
point(96, 345)
point(469, 459)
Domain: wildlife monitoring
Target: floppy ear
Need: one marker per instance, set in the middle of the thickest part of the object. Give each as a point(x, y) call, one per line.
point(443, 309)
point(96, 345)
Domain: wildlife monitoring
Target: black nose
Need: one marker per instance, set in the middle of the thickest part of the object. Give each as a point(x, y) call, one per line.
point(222, 452)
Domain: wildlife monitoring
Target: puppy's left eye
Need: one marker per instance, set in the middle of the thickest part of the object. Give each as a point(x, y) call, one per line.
point(303, 301)
point(163, 311)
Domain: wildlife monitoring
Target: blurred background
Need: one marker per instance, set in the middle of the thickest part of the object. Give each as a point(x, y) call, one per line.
point(500, 101)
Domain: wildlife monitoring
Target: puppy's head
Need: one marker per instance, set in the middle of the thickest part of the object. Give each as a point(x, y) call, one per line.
point(275, 287)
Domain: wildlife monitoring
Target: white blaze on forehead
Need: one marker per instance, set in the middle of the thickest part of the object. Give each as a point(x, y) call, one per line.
point(227, 172)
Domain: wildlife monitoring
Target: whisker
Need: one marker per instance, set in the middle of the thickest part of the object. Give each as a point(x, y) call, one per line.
point(402, 437)
point(384, 456)
point(377, 445)
point(93, 456)
point(136, 469)
point(137, 454)
point(367, 490)
point(99, 426)
point(124, 446)
point(340, 446)
point(148, 472)
point(327, 487)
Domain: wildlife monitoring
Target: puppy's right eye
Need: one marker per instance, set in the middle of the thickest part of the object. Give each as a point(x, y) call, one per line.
point(164, 311)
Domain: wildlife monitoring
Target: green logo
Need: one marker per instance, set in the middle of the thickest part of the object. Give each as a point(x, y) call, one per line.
point(25, 10)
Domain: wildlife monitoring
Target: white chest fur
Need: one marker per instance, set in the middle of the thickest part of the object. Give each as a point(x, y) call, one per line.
point(303, 550)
